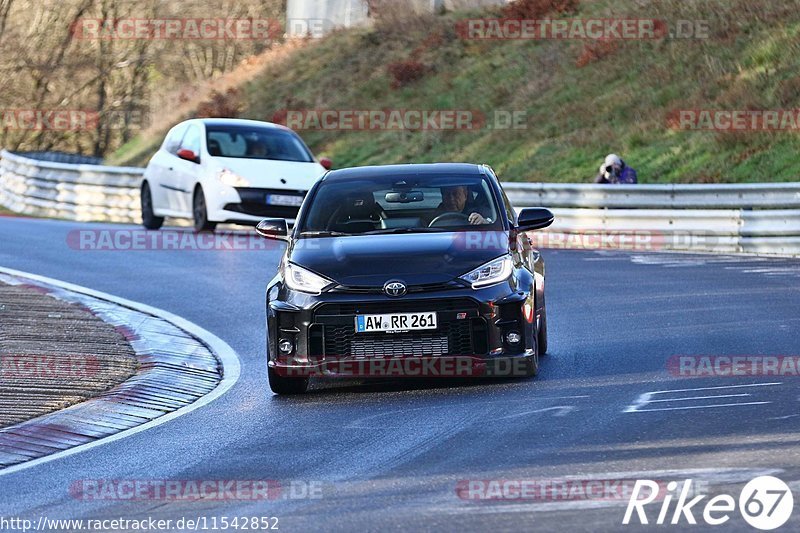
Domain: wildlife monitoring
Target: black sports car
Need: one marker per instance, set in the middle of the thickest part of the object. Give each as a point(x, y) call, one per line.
point(421, 270)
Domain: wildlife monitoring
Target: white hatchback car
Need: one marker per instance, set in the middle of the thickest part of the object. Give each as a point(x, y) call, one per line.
point(228, 170)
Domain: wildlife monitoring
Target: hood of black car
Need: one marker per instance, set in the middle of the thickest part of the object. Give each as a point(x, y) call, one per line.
point(415, 259)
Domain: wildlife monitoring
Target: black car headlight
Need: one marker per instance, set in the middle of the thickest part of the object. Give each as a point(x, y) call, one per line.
point(299, 279)
point(494, 271)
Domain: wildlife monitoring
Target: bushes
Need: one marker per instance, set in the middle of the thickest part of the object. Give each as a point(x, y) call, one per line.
point(533, 9)
point(406, 72)
point(595, 51)
point(221, 105)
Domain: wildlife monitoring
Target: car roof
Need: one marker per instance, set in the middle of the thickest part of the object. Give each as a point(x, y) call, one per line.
point(236, 122)
point(427, 169)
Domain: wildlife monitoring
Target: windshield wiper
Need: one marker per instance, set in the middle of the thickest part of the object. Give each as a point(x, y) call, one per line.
point(388, 231)
point(324, 233)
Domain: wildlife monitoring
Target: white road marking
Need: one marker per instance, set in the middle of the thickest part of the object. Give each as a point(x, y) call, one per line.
point(697, 407)
point(231, 367)
point(561, 411)
point(699, 398)
point(776, 270)
point(647, 398)
point(734, 262)
point(721, 387)
point(358, 423)
point(539, 399)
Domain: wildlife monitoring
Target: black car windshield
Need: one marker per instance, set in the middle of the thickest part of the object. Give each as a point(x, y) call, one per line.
point(397, 204)
point(253, 142)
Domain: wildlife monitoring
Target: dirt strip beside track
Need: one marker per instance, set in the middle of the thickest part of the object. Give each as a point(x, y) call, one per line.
point(54, 354)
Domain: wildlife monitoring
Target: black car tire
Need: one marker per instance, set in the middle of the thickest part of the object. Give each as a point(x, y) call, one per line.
point(149, 220)
point(286, 386)
point(532, 365)
point(200, 212)
point(541, 339)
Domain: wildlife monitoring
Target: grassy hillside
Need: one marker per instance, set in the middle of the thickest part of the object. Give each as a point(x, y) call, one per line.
point(581, 99)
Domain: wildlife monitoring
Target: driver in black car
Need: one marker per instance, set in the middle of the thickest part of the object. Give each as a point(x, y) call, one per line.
point(457, 200)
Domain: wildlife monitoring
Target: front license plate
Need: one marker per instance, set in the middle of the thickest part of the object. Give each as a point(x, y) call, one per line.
point(284, 199)
point(395, 322)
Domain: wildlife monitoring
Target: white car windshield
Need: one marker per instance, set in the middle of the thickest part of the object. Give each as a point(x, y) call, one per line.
point(253, 142)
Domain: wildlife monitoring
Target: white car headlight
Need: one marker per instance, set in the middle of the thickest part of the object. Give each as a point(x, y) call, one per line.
point(226, 177)
point(299, 279)
point(494, 271)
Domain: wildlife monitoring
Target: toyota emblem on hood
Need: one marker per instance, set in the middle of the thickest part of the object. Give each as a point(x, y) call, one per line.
point(395, 288)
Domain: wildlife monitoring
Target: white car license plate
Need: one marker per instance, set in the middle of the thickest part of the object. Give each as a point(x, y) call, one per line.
point(395, 322)
point(284, 199)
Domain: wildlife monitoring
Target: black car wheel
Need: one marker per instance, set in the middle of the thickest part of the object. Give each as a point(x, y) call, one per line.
point(542, 336)
point(200, 212)
point(286, 386)
point(532, 363)
point(149, 220)
point(532, 366)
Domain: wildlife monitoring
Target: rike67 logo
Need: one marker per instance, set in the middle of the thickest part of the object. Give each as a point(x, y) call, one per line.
point(765, 503)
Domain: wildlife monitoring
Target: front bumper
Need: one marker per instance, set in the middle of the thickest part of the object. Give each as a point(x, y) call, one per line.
point(249, 205)
point(471, 337)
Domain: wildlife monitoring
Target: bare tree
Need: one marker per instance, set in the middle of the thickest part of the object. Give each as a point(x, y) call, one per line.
point(46, 65)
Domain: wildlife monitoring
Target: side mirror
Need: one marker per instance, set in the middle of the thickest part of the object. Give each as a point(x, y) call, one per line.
point(326, 163)
point(273, 228)
point(534, 218)
point(188, 155)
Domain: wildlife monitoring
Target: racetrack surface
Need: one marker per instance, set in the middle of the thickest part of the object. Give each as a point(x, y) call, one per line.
point(390, 455)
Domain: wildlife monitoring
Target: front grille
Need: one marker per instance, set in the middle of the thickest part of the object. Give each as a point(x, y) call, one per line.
point(263, 210)
point(457, 337)
point(461, 330)
point(392, 346)
point(254, 202)
point(397, 306)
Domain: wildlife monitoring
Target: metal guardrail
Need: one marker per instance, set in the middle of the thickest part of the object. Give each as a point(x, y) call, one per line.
point(672, 196)
point(761, 218)
point(81, 192)
point(62, 157)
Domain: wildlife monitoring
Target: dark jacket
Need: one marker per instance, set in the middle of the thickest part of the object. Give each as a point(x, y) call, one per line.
point(627, 176)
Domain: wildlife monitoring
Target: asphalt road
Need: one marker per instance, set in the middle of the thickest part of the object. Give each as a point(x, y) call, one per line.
point(391, 455)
